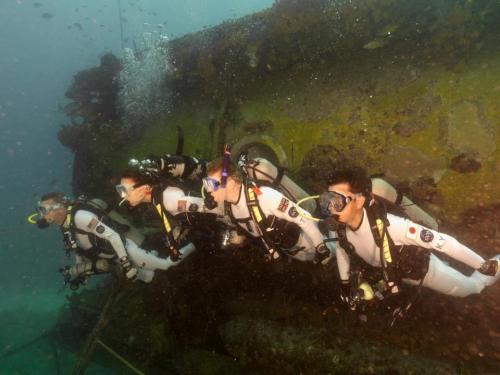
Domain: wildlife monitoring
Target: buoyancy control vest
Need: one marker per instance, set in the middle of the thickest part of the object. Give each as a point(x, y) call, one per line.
point(277, 235)
point(397, 261)
point(99, 245)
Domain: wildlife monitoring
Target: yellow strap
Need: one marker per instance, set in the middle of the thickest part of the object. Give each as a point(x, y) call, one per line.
point(385, 240)
point(166, 224)
point(251, 194)
point(256, 213)
point(120, 358)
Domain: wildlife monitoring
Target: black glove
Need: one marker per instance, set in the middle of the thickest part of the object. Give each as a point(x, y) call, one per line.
point(347, 296)
point(129, 271)
point(322, 253)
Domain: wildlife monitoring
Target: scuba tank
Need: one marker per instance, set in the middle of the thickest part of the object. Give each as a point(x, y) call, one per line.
point(384, 190)
point(265, 173)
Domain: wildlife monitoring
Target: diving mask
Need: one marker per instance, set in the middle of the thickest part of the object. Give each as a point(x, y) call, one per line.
point(334, 201)
point(44, 209)
point(124, 190)
point(211, 184)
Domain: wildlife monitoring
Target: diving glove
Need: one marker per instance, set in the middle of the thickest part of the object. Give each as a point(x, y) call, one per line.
point(322, 253)
point(347, 296)
point(129, 271)
point(489, 267)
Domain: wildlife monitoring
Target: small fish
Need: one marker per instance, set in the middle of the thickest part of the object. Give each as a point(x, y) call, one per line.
point(37, 5)
point(376, 43)
point(47, 16)
point(78, 26)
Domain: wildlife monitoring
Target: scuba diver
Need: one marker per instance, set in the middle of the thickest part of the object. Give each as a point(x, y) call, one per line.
point(162, 182)
point(283, 227)
point(97, 240)
point(401, 248)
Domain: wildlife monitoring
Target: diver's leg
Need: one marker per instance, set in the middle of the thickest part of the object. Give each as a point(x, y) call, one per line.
point(447, 280)
point(148, 260)
point(145, 275)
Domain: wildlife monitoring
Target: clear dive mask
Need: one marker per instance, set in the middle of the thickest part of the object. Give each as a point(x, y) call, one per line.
point(44, 209)
point(124, 190)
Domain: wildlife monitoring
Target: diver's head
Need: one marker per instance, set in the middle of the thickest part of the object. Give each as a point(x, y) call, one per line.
point(213, 186)
point(347, 193)
point(52, 209)
point(135, 187)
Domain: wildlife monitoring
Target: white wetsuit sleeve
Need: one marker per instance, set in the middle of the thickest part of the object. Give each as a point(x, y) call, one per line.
point(343, 263)
point(272, 202)
point(90, 223)
point(176, 202)
point(407, 232)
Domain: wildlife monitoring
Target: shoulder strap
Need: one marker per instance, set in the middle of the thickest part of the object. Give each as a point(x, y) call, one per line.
point(378, 224)
point(257, 214)
point(165, 216)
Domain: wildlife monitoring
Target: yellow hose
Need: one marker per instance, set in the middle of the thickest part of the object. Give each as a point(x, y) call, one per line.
point(120, 358)
point(310, 217)
point(31, 218)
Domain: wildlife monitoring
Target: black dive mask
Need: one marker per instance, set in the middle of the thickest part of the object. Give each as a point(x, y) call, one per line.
point(42, 223)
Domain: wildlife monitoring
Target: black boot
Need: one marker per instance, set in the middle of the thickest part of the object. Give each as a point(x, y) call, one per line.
point(489, 267)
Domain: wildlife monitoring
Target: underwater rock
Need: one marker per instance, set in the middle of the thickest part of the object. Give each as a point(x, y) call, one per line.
point(468, 131)
point(298, 349)
point(463, 163)
point(409, 127)
point(408, 163)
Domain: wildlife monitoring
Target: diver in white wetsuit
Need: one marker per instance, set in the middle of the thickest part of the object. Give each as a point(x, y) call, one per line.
point(96, 240)
point(265, 213)
point(403, 256)
point(160, 182)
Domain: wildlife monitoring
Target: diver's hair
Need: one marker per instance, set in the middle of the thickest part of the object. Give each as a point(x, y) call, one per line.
point(215, 166)
point(56, 196)
point(356, 177)
point(138, 177)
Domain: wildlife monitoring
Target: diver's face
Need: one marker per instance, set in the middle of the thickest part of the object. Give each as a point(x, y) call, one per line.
point(353, 203)
point(218, 193)
point(134, 195)
point(53, 212)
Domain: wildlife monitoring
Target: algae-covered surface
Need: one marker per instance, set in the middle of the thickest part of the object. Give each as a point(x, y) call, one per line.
point(302, 75)
point(406, 89)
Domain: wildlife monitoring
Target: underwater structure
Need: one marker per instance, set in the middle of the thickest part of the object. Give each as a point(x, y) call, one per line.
point(409, 89)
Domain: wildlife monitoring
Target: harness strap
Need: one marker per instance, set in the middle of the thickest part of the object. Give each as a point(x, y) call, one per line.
point(279, 176)
point(258, 216)
point(170, 241)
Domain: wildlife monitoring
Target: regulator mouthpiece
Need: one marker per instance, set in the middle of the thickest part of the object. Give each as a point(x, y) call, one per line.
point(42, 223)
